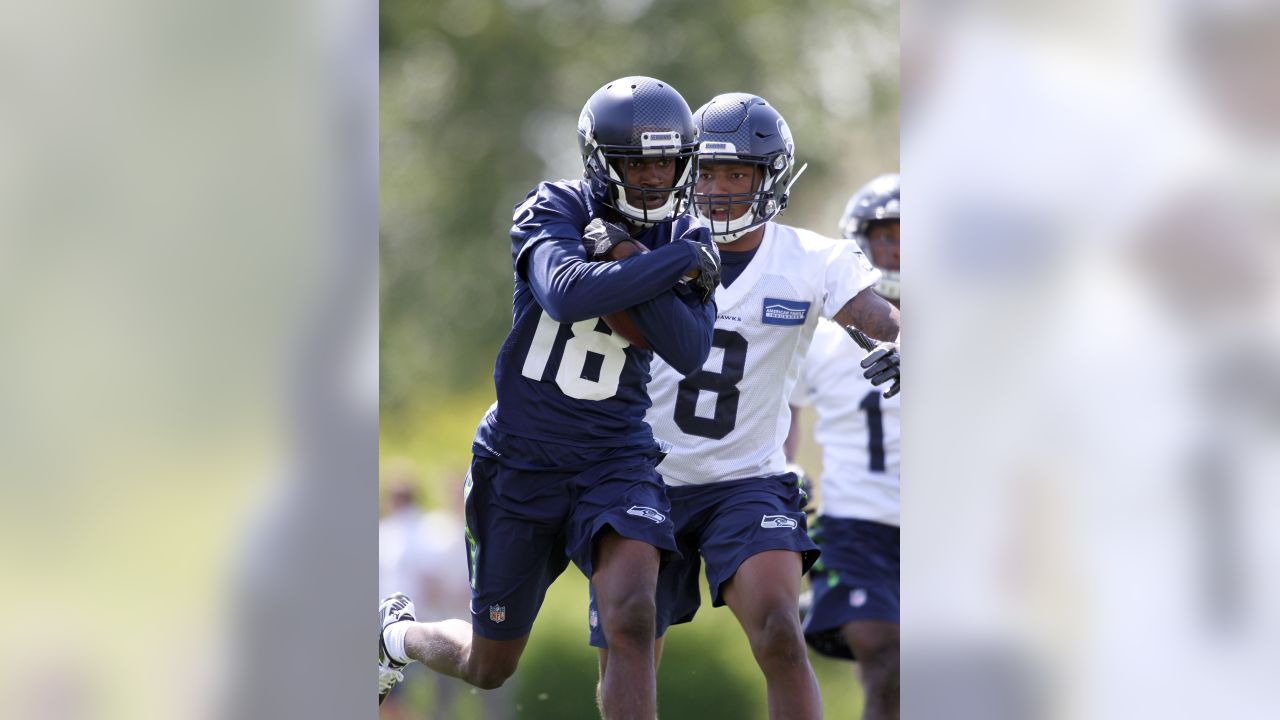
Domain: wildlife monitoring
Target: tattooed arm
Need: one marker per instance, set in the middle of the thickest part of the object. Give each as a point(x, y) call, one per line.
point(871, 314)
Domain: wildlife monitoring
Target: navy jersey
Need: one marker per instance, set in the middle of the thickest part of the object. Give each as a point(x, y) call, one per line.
point(569, 389)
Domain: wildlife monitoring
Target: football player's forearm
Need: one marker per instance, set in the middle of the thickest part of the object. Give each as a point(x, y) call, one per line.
point(570, 288)
point(678, 329)
point(871, 314)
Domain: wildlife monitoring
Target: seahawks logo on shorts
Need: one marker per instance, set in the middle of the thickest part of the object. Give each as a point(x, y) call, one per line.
point(647, 513)
point(778, 521)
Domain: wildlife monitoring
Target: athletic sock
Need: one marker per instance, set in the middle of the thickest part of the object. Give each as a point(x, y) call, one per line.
point(393, 638)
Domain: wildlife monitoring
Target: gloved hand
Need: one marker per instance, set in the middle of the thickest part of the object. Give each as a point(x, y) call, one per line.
point(882, 364)
point(600, 237)
point(707, 269)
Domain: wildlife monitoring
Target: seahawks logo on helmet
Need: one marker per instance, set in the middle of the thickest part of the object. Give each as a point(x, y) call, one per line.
point(785, 131)
point(587, 126)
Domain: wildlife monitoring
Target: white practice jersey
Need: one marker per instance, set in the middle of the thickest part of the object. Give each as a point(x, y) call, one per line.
point(860, 432)
point(728, 420)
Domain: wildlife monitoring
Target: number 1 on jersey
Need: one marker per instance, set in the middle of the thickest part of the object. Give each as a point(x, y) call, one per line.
point(875, 426)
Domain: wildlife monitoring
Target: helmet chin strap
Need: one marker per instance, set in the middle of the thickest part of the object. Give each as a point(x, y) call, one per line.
point(734, 228)
point(734, 235)
point(637, 215)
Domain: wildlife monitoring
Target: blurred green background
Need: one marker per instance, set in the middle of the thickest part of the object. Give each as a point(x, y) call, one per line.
point(479, 102)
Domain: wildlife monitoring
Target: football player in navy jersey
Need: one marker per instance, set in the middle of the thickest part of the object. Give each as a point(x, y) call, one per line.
point(564, 463)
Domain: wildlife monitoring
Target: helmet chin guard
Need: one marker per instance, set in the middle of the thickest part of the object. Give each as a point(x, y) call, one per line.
point(889, 286)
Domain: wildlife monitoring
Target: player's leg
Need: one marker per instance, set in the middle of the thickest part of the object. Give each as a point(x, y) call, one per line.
point(657, 655)
point(604, 661)
point(450, 647)
point(620, 525)
point(677, 599)
point(515, 551)
point(855, 610)
point(625, 579)
point(764, 595)
point(756, 548)
point(875, 644)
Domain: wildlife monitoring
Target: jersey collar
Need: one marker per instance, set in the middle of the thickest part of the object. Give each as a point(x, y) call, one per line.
point(727, 297)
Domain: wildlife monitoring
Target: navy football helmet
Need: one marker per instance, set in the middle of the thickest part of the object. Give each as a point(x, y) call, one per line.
point(630, 117)
point(744, 128)
point(877, 201)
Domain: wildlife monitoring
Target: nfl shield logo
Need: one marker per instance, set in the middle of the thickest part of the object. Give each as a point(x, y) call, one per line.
point(497, 613)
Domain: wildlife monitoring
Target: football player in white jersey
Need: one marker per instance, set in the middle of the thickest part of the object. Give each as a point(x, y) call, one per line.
point(733, 501)
point(854, 610)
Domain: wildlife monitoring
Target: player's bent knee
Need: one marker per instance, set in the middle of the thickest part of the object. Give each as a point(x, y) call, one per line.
point(881, 666)
point(632, 620)
point(779, 636)
point(876, 649)
point(491, 677)
point(489, 671)
point(490, 681)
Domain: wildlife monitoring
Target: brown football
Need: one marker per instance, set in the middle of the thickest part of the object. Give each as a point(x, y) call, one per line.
point(620, 322)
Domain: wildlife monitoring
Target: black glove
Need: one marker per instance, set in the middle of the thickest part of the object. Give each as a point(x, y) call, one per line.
point(883, 364)
point(600, 237)
point(709, 266)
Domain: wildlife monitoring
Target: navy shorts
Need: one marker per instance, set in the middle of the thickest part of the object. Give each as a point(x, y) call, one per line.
point(857, 579)
point(523, 528)
point(722, 523)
